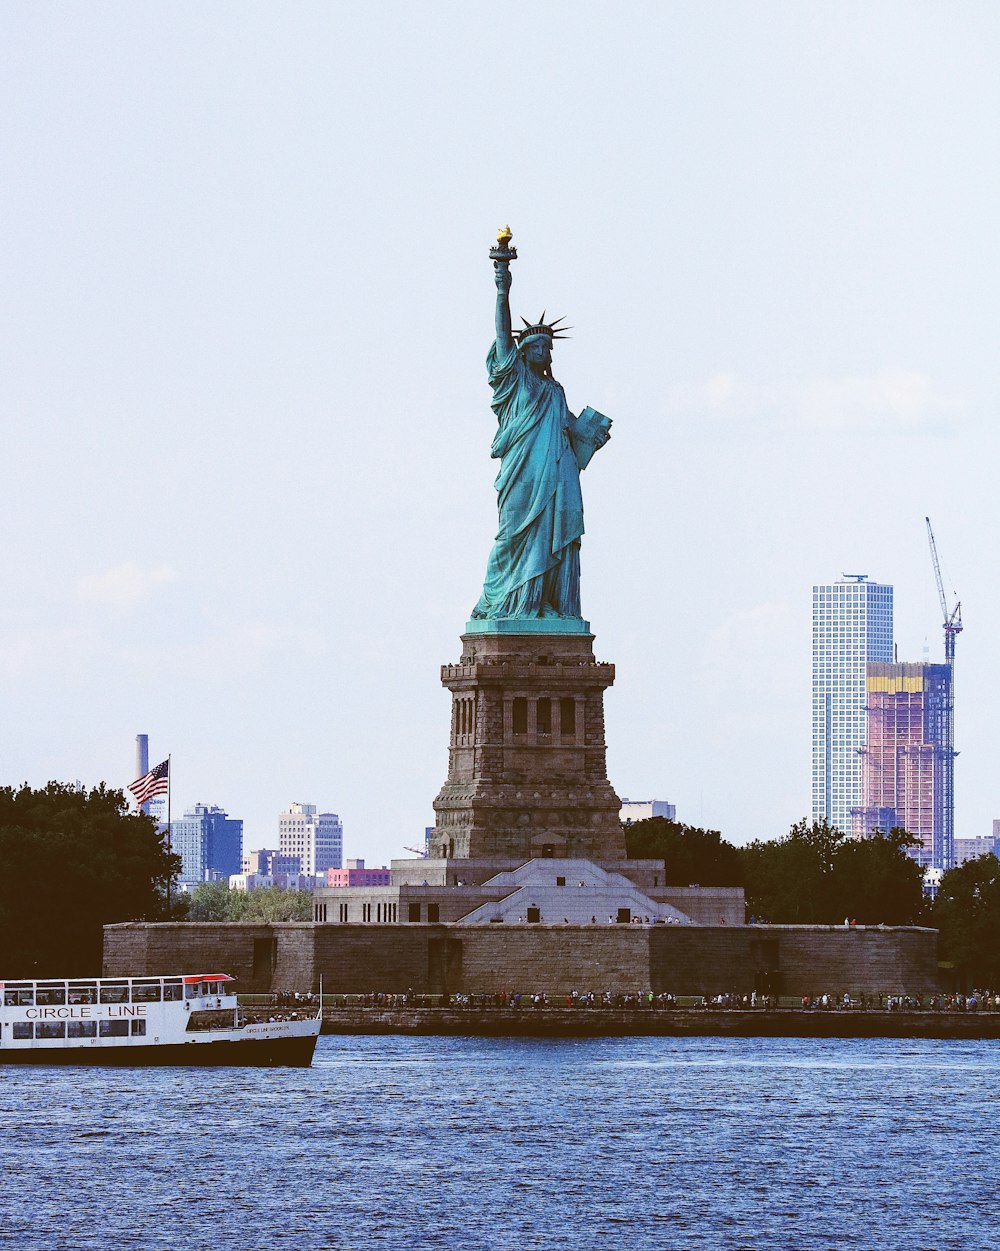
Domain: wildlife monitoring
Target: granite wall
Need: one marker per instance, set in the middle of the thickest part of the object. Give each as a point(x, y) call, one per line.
point(684, 960)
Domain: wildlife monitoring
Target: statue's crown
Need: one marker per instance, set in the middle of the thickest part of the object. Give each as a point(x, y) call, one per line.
point(552, 330)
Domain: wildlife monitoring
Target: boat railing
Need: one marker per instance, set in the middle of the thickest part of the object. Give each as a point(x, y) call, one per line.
point(269, 1016)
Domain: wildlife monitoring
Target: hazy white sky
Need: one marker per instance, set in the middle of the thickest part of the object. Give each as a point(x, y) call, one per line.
point(247, 497)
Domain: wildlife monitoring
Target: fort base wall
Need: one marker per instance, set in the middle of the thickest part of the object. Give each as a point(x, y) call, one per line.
point(436, 959)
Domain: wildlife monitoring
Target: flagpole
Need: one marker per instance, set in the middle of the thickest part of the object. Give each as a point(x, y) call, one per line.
point(170, 845)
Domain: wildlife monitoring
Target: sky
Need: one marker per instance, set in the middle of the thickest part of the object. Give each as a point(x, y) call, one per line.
point(247, 497)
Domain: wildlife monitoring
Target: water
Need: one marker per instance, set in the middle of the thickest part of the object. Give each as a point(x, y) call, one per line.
point(789, 1144)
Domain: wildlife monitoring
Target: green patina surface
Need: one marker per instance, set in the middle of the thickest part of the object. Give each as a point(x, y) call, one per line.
point(533, 572)
point(527, 625)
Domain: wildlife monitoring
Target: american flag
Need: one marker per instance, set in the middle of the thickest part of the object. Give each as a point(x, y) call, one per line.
point(155, 782)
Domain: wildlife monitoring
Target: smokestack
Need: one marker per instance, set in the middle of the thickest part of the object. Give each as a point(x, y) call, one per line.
point(141, 754)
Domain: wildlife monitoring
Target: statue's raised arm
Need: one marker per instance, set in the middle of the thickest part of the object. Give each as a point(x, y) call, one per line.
point(502, 256)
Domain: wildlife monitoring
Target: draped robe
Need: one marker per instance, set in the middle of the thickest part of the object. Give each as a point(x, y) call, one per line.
point(534, 567)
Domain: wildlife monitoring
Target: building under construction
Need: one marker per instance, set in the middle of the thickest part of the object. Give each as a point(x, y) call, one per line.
point(907, 762)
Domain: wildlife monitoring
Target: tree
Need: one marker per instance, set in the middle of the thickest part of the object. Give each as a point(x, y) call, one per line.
point(967, 912)
point(876, 882)
point(214, 901)
point(210, 901)
point(690, 855)
point(816, 876)
point(271, 903)
point(74, 861)
point(788, 880)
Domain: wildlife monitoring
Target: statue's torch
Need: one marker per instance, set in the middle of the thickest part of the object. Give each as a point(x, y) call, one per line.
point(503, 251)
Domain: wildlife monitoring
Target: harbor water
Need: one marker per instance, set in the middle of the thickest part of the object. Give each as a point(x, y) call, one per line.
point(713, 1143)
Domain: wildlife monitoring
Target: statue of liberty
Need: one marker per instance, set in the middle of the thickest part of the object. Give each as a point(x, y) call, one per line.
point(534, 567)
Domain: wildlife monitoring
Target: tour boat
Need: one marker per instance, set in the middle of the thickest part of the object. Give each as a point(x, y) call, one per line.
point(193, 1019)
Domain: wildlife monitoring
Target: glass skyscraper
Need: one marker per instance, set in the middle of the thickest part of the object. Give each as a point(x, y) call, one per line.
point(852, 625)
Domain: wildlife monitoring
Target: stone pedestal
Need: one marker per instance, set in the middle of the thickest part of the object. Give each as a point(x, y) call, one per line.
point(527, 774)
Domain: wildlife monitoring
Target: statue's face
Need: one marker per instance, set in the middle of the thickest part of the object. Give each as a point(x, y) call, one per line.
point(538, 351)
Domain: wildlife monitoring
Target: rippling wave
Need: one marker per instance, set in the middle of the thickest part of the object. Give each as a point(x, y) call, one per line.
point(721, 1144)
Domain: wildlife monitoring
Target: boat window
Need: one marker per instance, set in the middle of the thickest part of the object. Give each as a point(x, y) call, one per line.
point(172, 991)
point(82, 994)
point(212, 1018)
point(50, 1029)
point(114, 993)
point(81, 1029)
point(22, 1029)
point(138, 1029)
point(50, 994)
point(114, 1029)
point(145, 994)
point(18, 998)
point(191, 990)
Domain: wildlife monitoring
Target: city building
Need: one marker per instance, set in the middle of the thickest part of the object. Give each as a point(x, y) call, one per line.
point(209, 843)
point(851, 627)
point(283, 881)
point(250, 881)
point(907, 762)
point(643, 809)
point(357, 875)
point(973, 848)
point(317, 838)
point(267, 862)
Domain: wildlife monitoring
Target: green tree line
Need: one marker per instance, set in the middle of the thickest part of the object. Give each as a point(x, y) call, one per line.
point(214, 901)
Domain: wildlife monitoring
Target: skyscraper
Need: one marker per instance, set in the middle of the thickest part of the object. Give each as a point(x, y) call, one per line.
point(907, 761)
point(852, 625)
point(317, 838)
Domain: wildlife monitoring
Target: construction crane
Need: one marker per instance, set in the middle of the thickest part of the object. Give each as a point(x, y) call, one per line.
point(952, 620)
point(943, 852)
point(417, 851)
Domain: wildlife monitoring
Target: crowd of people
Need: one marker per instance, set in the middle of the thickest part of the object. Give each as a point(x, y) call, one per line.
point(976, 1001)
point(292, 999)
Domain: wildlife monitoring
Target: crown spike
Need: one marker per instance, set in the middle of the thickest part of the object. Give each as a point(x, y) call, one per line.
point(542, 327)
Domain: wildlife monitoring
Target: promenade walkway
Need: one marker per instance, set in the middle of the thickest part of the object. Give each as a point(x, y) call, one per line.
point(641, 1015)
